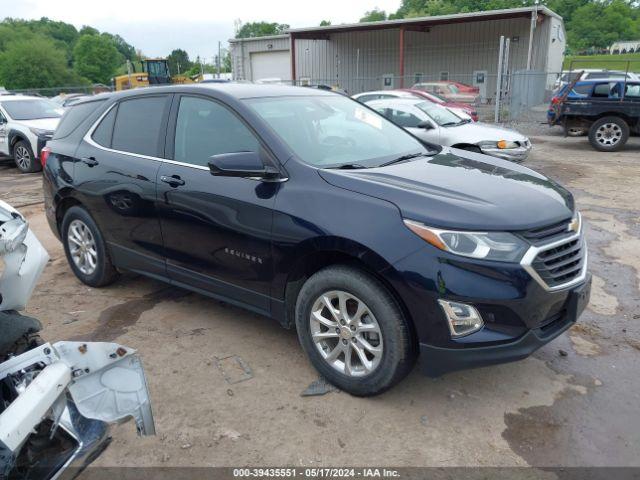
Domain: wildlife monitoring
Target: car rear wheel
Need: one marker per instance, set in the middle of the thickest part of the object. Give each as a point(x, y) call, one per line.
point(86, 250)
point(353, 331)
point(608, 134)
point(25, 160)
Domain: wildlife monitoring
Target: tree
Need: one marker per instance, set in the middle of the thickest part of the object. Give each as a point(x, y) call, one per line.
point(261, 29)
point(35, 63)
point(375, 15)
point(178, 61)
point(127, 51)
point(95, 58)
point(87, 30)
point(325, 23)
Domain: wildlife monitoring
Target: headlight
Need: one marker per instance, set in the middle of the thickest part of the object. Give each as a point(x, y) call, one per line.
point(502, 144)
point(500, 246)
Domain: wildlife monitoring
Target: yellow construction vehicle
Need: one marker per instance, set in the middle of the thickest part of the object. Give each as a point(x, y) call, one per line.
point(154, 71)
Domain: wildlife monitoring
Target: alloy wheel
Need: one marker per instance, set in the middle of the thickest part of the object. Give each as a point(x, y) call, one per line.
point(608, 134)
point(22, 157)
point(82, 247)
point(346, 333)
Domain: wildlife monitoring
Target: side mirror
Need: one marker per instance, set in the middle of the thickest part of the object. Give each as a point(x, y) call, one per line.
point(426, 125)
point(243, 165)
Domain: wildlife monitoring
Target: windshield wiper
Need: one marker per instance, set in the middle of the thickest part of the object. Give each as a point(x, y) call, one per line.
point(349, 166)
point(402, 158)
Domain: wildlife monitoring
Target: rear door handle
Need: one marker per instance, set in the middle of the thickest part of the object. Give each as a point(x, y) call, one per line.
point(173, 180)
point(90, 161)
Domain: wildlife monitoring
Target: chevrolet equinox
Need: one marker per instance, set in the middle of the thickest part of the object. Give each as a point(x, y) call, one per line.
point(310, 208)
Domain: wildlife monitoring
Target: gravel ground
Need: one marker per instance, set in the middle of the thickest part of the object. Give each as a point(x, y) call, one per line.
point(573, 403)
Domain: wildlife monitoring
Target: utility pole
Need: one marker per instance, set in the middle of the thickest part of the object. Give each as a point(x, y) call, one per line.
point(219, 59)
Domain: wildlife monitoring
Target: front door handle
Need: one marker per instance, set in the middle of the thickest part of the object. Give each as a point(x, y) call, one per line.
point(173, 180)
point(90, 161)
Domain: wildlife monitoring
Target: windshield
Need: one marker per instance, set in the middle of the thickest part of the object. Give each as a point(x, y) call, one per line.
point(32, 109)
point(453, 89)
point(442, 116)
point(334, 131)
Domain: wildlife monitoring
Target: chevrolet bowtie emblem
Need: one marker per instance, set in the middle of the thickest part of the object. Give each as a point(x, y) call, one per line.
point(574, 225)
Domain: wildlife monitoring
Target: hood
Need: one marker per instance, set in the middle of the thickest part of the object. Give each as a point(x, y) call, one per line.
point(43, 123)
point(464, 190)
point(478, 132)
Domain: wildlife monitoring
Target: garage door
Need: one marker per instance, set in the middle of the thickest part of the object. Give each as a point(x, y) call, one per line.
point(270, 65)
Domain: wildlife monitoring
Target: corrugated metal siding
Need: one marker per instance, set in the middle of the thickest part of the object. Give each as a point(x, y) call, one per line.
point(357, 61)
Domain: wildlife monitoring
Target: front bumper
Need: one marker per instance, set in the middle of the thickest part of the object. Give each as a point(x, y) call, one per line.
point(519, 154)
point(436, 361)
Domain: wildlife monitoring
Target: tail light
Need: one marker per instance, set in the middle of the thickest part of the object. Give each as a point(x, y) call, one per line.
point(44, 155)
point(555, 100)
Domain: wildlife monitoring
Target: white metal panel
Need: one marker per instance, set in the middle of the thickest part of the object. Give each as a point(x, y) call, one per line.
point(270, 65)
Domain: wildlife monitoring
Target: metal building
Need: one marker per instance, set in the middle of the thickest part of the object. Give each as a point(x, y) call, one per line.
point(398, 53)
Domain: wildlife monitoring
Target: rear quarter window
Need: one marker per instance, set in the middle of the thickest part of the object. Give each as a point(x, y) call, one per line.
point(74, 117)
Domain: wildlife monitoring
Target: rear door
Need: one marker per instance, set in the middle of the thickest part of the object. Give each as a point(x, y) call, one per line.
point(115, 177)
point(216, 230)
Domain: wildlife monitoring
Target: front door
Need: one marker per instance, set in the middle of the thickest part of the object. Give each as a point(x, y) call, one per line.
point(216, 230)
point(115, 174)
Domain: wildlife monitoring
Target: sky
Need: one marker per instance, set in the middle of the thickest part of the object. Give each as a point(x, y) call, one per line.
point(157, 27)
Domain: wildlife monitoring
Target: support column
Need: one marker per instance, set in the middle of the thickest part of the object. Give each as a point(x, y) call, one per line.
point(401, 69)
point(293, 59)
point(532, 27)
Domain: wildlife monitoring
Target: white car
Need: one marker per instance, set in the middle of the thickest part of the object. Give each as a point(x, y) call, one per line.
point(593, 74)
point(367, 97)
point(436, 124)
point(26, 123)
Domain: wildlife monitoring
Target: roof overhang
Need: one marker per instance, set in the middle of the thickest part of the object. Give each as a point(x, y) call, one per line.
point(421, 24)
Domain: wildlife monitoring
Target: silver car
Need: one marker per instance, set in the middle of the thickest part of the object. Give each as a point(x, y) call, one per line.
point(439, 125)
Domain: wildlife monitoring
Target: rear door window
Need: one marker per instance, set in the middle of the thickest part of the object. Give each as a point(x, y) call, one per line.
point(74, 116)
point(138, 124)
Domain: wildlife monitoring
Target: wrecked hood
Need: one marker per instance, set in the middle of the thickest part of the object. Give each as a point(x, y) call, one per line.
point(464, 190)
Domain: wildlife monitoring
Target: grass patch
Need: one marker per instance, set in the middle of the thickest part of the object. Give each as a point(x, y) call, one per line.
point(609, 62)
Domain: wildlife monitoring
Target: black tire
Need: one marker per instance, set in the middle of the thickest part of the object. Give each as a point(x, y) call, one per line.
point(398, 354)
point(615, 125)
point(25, 160)
point(104, 272)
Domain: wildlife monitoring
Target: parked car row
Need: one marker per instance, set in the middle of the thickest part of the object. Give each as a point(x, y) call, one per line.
point(446, 123)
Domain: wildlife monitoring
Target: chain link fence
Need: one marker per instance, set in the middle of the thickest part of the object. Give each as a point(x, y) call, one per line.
point(55, 91)
point(523, 96)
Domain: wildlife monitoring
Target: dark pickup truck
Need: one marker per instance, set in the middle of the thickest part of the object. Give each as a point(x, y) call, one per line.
point(610, 111)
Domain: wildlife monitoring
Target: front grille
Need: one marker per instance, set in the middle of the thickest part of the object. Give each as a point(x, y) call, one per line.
point(547, 232)
point(561, 264)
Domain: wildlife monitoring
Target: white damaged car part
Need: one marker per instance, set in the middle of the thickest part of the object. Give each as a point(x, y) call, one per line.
point(23, 256)
point(56, 401)
point(69, 392)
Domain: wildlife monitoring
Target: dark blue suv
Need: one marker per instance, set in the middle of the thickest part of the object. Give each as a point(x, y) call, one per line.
point(310, 208)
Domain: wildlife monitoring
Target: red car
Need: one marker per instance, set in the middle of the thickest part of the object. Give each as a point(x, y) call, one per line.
point(463, 87)
point(435, 98)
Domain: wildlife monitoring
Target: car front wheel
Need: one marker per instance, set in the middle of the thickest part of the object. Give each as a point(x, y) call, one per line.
point(353, 331)
point(25, 159)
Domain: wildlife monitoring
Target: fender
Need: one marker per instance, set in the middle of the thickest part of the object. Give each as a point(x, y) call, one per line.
point(14, 136)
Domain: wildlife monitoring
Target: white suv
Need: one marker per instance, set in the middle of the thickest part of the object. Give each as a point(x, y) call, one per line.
point(26, 123)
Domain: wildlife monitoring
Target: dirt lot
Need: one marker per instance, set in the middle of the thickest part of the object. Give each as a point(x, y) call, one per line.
point(573, 403)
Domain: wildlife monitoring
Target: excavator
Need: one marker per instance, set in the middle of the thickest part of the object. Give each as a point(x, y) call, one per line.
point(154, 71)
